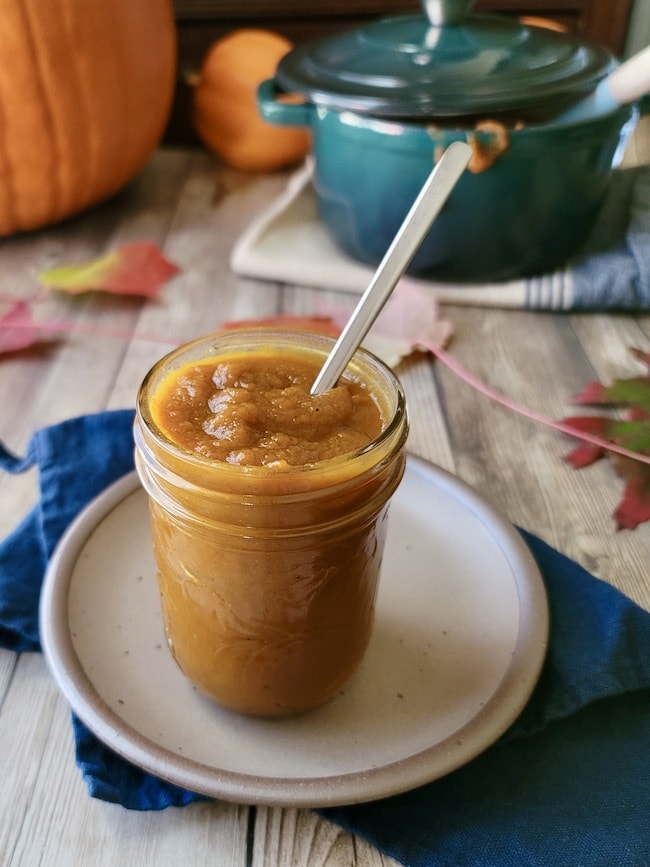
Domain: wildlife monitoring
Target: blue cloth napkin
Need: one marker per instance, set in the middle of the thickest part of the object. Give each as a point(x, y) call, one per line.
point(567, 784)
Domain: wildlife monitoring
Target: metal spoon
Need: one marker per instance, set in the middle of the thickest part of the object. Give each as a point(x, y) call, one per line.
point(417, 223)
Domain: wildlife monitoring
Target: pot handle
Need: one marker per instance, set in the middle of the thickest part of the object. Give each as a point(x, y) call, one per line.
point(279, 112)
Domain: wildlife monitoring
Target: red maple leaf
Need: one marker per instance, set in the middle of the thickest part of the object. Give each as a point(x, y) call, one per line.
point(17, 330)
point(631, 431)
point(586, 453)
point(634, 507)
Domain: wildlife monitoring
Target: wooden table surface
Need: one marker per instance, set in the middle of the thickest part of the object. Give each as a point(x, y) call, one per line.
point(194, 209)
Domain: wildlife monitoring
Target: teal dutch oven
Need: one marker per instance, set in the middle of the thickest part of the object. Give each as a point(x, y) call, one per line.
point(383, 103)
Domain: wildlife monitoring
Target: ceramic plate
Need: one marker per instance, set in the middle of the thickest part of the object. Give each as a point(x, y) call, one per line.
point(459, 640)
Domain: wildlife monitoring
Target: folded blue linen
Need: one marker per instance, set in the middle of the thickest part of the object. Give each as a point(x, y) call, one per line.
point(612, 271)
point(568, 783)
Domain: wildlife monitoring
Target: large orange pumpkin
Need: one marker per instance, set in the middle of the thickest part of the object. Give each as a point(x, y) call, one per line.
point(85, 94)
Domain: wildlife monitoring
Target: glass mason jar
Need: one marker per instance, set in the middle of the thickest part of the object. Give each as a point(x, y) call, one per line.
point(267, 577)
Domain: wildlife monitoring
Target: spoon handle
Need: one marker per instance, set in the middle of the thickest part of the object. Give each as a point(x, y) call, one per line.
point(417, 223)
point(631, 80)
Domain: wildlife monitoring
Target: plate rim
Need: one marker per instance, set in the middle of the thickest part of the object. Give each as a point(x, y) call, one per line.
point(385, 780)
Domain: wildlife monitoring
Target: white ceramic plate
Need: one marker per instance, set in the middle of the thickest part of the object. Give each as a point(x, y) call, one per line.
point(459, 640)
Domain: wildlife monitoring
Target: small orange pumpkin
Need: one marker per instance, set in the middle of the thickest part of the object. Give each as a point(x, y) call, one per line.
point(85, 93)
point(226, 116)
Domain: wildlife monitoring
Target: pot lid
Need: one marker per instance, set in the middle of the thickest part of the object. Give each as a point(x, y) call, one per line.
point(444, 63)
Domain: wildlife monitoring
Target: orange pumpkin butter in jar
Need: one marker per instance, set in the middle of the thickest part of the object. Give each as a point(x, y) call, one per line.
point(269, 512)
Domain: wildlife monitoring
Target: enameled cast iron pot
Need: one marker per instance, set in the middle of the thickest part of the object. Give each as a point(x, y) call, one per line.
point(383, 102)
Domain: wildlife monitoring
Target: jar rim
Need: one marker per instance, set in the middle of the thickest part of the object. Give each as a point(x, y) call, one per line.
point(240, 339)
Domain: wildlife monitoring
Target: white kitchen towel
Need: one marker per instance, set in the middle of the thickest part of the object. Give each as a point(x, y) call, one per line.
point(287, 243)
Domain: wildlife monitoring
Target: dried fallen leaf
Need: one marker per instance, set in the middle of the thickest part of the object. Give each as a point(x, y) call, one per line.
point(134, 269)
point(17, 330)
point(632, 432)
point(409, 321)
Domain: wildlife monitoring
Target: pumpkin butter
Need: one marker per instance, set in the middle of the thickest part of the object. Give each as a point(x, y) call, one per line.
point(257, 411)
point(269, 512)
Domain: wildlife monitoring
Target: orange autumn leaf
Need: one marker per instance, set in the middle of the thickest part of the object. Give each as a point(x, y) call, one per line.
point(133, 269)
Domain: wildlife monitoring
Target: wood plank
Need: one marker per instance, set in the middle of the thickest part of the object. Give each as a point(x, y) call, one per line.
point(298, 838)
point(606, 22)
point(8, 662)
point(48, 817)
point(25, 725)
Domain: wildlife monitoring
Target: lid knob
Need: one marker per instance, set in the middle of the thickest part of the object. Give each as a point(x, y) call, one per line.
point(440, 12)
